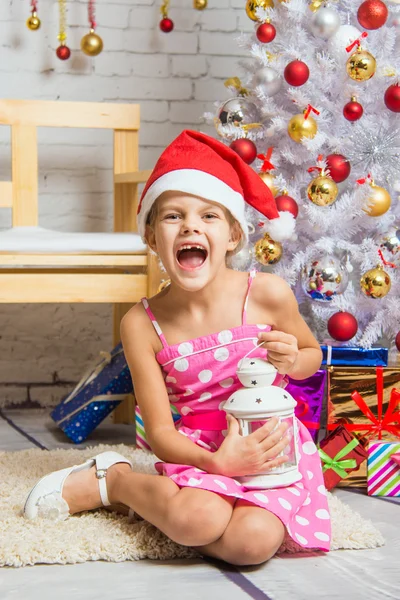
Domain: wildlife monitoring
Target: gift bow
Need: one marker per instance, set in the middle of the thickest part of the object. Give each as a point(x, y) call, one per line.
point(389, 422)
point(302, 407)
point(338, 463)
point(396, 458)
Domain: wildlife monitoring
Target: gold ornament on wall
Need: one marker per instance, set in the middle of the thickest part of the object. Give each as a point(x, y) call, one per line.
point(200, 4)
point(378, 201)
point(33, 23)
point(91, 44)
point(267, 251)
point(375, 283)
point(252, 5)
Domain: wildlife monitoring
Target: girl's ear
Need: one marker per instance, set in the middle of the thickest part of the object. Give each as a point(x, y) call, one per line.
point(235, 237)
point(150, 238)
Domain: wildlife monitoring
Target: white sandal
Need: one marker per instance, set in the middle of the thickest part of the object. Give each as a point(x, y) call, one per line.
point(45, 499)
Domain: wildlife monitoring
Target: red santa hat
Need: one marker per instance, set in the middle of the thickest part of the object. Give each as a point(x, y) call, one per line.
point(198, 164)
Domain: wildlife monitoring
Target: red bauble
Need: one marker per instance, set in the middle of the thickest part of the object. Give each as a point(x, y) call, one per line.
point(342, 326)
point(296, 73)
point(265, 33)
point(392, 97)
point(287, 204)
point(372, 14)
point(246, 149)
point(166, 25)
point(397, 341)
point(339, 167)
point(63, 52)
point(353, 111)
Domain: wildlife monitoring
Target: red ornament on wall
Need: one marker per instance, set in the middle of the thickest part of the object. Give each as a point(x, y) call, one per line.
point(265, 33)
point(339, 167)
point(296, 73)
point(372, 14)
point(166, 24)
point(353, 110)
point(286, 203)
point(342, 326)
point(63, 52)
point(392, 97)
point(397, 341)
point(246, 149)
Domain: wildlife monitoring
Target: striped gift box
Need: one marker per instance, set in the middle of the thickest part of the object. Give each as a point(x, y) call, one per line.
point(383, 471)
point(141, 440)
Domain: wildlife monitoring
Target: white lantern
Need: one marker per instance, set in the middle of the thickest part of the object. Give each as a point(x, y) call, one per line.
point(256, 403)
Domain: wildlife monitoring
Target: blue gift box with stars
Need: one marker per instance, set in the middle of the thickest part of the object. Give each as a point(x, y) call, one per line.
point(100, 390)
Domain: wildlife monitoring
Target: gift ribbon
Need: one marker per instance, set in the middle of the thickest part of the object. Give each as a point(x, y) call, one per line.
point(338, 463)
point(267, 164)
point(301, 409)
point(389, 422)
point(396, 458)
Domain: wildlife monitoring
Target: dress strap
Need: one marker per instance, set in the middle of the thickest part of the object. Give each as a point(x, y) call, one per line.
point(250, 280)
point(154, 322)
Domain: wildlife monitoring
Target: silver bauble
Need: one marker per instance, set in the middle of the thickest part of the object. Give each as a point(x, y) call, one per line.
point(236, 111)
point(325, 23)
point(243, 260)
point(269, 81)
point(389, 244)
point(344, 36)
point(323, 278)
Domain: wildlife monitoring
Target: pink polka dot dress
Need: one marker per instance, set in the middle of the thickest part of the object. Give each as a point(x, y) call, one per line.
point(200, 375)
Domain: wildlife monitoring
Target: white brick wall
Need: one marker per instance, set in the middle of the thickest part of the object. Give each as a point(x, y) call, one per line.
point(175, 77)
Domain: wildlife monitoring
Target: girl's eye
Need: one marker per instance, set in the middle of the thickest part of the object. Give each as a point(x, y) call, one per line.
point(209, 216)
point(173, 217)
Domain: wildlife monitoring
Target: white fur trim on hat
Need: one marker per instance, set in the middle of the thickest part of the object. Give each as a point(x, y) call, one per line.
point(282, 228)
point(198, 183)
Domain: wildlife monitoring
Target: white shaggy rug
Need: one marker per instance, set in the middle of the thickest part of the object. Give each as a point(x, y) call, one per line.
point(100, 535)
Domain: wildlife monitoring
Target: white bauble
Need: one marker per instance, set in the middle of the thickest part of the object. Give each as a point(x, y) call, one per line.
point(325, 23)
point(345, 35)
point(268, 80)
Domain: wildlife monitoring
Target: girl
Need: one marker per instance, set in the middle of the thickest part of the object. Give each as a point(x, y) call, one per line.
point(183, 347)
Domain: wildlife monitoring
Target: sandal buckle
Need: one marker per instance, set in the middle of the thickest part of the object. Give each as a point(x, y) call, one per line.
point(101, 473)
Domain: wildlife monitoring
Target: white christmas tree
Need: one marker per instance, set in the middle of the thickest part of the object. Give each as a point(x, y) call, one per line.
point(319, 99)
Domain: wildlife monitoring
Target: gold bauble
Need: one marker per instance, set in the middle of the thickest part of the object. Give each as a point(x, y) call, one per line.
point(33, 23)
point(252, 5)
point(269, 181)
point(267, 251)
point(91, 43)
point(200, 4)
point(361, 65)
point(375, 283)
point(378, 201)
point(300, 127)
point(322, 191)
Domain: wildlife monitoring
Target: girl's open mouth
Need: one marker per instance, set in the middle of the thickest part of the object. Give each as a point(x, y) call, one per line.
point(191, 256)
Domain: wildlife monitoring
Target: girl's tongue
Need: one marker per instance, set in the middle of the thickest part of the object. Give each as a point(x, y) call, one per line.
point(191, 259)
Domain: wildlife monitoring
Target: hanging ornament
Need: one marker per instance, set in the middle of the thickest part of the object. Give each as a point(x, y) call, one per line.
point(166, 24)
point(267, 177)
point(200, 4)
point(285, 203)
point(246, 149)
point(322, 190)
point(91, 43)
point(389, 246)
point(296, 73)
point(268, 80)
point(323, 278)
point(375, 283)
point(339, 167)
point(392, 97)
point(397, 341)
point(236, 111)
point(266, 32)
point(303, 125)
point(33, 22)
point(267, 251)
point(378, 200)
point(342, 326)
point(372, 14)
point(353, 110)
point(252, 5)
point(361, 65)
point(324, 23)
point(62, 52)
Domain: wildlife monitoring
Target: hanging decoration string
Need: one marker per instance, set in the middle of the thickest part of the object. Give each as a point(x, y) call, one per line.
point(166, 24)
point(91, 15)
point(62, 52)
point(33, 22)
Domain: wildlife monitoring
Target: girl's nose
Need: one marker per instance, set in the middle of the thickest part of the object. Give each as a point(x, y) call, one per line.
point(191, 226)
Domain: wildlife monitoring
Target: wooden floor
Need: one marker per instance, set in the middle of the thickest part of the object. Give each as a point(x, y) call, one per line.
point(344, 575)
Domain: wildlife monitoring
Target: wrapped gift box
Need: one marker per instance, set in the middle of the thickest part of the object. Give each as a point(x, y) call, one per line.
point(365, 401)
point(384, 468)
point(101, 388)
point(309, 394)
point(354, 356)
point(141, 439)
point(341, 453)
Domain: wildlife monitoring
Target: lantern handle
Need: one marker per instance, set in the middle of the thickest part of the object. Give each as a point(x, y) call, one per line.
point(252, 350)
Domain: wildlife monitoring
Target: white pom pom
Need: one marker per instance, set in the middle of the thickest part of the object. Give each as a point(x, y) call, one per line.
point(281, 228)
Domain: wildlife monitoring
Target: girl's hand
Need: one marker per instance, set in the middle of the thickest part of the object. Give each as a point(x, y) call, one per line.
point(282, 350)
point(255, 453)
